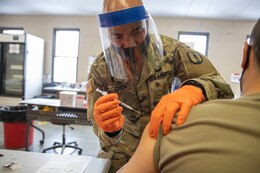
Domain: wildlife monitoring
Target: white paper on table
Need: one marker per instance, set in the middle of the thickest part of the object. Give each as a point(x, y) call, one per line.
point(235, 77)
point(72, 164)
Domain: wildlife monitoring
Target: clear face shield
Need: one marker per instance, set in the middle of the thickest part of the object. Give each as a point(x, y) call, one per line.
point(129, 39)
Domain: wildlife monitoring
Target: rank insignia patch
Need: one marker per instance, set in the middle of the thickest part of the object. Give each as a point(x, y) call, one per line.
point(195, 57)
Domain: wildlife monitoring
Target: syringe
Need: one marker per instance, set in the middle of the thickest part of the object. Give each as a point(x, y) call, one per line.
point(103, 93)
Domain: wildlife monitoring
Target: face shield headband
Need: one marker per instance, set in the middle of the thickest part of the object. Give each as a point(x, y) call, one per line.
point(125, 34)
point(122, 17)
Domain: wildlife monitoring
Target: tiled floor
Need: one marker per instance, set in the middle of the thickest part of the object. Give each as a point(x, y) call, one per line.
point(84, 136)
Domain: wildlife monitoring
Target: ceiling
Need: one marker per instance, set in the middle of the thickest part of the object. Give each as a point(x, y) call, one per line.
point(205, 9)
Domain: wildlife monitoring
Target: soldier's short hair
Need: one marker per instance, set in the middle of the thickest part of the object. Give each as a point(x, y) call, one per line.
point(255, 40)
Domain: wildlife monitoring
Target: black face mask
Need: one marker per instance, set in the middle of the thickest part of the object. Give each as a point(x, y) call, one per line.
point(129, 52)
point(246, 65)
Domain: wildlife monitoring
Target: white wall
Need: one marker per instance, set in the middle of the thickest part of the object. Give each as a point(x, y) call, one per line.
point(42, 26)
point(225, 41)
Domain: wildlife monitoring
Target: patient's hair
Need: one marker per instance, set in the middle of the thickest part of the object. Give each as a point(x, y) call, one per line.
point(255, 40)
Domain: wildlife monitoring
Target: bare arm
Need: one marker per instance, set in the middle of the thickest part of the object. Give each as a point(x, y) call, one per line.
point(143, 159)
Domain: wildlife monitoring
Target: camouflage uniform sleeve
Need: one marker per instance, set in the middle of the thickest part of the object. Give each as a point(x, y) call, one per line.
point(92, 96)
point(193, 67)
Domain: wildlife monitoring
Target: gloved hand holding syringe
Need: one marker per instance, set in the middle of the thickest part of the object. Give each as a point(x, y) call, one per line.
point(103, 93)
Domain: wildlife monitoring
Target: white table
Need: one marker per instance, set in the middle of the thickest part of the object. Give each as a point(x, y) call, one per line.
point(59, 88)
point(32, 161)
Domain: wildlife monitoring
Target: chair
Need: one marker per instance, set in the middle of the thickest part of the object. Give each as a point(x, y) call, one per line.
point(37, 128)
point(63, 144)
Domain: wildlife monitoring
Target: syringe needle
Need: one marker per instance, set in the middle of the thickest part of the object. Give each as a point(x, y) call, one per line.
point(128, 107)
point(120, 102)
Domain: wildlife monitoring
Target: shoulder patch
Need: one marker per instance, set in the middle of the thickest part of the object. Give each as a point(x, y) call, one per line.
point(89, 86)
point(195, 57)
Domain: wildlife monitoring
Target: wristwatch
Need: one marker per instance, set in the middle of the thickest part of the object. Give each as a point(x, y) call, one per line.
point(197, 84)
point(112, 134)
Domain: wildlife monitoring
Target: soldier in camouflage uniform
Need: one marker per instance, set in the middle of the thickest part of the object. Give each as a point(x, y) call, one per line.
point(152, 81)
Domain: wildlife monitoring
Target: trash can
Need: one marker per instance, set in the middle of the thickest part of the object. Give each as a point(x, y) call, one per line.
point(14, 124)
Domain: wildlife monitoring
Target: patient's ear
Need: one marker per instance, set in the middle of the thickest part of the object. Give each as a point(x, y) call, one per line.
point(244, 55)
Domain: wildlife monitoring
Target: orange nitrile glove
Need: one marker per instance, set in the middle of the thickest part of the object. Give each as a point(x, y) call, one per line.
point(179, 101)
point(108, 113)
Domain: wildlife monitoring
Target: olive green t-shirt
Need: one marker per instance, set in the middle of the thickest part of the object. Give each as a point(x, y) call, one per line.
point(220, 136)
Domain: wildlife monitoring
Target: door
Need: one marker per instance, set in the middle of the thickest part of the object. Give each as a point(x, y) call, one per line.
point(13, 69)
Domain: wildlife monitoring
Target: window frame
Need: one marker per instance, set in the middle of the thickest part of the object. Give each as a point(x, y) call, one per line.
point(11, 28)
point(54, 48)
point(196, 34)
